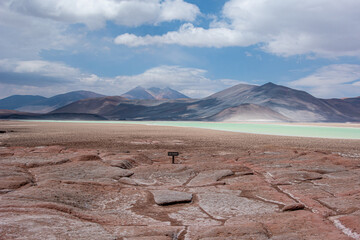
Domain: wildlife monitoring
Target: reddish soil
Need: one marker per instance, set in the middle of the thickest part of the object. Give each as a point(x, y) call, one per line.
point(97, 181)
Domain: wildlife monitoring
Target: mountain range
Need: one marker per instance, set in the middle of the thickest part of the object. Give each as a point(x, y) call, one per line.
point(243, 102)
point(39, 104)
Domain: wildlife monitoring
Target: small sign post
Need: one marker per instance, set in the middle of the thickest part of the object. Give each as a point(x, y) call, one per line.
point(173, 154)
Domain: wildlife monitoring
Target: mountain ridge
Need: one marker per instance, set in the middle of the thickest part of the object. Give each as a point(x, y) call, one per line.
point(153, 93)
point(238, 103)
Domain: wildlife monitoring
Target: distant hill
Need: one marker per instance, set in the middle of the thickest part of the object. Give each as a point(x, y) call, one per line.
point(98, 106)
point(38, 104)
point(6, 112)
point(293, 104)
point(153, 93)
point(16, 101)
point(122, 108)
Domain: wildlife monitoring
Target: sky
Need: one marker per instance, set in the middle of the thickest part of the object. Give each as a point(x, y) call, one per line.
point(197, 47)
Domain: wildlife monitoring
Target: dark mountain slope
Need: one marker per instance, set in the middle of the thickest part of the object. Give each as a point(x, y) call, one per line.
point(354, 101)
point(248, 112)
point(57, 101)
point(16, 101)
point(98, 106)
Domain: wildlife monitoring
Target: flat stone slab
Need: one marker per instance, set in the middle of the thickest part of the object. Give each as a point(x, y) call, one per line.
point(167, 197)
point(209, 177)
point(245, 231)
point(223, 206)
point(193, 216)
point(342, 204)
point(289, 177)
point(76, 171)
point(292, 225)
point(169, 175)
point(42, 224)
point(155, 232)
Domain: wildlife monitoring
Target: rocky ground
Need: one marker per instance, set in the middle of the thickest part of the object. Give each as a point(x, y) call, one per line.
point(91, 181)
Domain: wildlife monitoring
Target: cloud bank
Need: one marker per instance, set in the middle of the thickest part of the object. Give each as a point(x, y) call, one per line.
point(336, 80)
point(325, 28)
point(50, 78)
point(95, 13)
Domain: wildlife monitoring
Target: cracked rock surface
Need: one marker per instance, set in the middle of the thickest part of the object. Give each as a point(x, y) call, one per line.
point(117, 182)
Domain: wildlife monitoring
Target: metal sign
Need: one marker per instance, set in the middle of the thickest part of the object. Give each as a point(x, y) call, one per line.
point(173, 154)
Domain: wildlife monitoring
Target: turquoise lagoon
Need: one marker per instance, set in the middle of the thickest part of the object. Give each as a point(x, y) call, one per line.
point(256, 128)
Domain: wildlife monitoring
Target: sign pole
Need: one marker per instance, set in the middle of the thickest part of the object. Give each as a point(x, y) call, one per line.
point(173, 154)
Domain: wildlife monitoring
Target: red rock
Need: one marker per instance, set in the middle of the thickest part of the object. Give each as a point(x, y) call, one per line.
point(86, 158)
point(81, 191)
point(12, 177)
point(248, 230)
point(167, 197)
point(300, 224)
point(342, 204)
point(209, 177)
point(293, 207)
point(348, 224)
point(40, 224)
point(84, 171)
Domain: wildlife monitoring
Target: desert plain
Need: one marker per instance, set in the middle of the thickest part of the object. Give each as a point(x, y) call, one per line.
point(115, 181)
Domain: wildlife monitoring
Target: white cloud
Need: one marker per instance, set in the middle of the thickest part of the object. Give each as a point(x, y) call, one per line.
point(187, 35)
point(326, 28)
point(337, 80)
point(49, 78)
point(25, 36)
point(27, 27)
point(190, 81)
point(95, 13)
point(43, 68)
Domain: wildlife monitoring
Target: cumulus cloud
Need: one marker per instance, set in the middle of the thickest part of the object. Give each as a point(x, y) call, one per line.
point(190, 81)
point(187, 35)
point(28, 27)
point(49, 78)
point(336, 80)
point(95, 13)
point(39, 67)
point(37, 77)
point(25, 36)
point(326, 28)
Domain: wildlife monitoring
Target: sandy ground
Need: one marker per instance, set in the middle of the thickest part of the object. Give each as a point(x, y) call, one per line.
point(115, 181)
point(120, 136)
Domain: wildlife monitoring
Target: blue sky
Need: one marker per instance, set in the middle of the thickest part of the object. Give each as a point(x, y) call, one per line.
point(197, 47)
